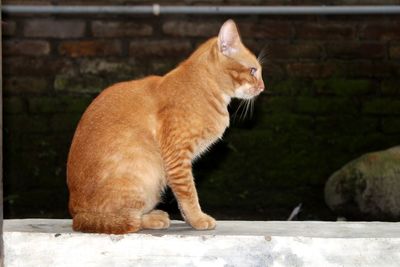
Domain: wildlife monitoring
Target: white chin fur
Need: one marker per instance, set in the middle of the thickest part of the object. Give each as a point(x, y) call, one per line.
point(243, 92)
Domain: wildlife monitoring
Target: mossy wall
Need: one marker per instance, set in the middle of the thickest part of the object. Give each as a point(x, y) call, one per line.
point(333, 93)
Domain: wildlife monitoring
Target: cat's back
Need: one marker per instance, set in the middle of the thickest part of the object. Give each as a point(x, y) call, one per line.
point(115, 114)
point(123, 97)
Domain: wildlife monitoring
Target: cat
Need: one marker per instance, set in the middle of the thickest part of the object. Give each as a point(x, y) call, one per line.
point(137, 137)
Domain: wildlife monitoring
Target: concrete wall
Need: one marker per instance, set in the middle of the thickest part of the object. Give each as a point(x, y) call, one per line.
point(234, 243)
point(333, 83)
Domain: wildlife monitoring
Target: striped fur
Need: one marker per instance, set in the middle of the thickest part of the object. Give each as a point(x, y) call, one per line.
point(138, 137)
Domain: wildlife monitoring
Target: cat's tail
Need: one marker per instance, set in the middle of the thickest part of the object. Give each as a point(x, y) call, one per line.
point(108, 223)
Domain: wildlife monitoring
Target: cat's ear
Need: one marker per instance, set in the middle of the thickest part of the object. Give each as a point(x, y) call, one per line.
point(228, 38)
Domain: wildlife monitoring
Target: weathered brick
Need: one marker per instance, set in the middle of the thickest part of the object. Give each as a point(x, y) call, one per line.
point(13, 105)
point(394, 51)
point(294, 50)
point(25, 84)
point(365, 69)
point(267, 29)
point(161, 48)
point(98, 66)
point(195, 29)
point(277, 104)
point(120, 29)
point(35, 65)
point(391, 125)
point(355, 50)
point(54, 28)
point(379, 30)
point(8, 28)
point(291, 87)
point(80, 84)
point(324, 31)
point(90, 48)
point(345, 124)
point(325, 105)
point(26, 47)
point(273, 69)
point(311, 69)
point(390, 87)
point(26, 123)
point(63, 122)
point(31, 2)
point(383, 106)
point(345, 87)
point(284, 122)
point(60, 104)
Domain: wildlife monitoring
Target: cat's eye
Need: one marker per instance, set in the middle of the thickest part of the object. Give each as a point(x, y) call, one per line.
point(253, 71)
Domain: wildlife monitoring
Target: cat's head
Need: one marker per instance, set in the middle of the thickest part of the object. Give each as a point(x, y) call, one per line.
point(239, 63)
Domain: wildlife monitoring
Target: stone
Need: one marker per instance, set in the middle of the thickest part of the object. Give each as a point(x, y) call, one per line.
point(26, 47)
point(382, 106)
point(345, 87)
point(394, 51)
point(294, 50)
point(185, 28)
point(267, 29)
point(13, 105)
point(8, 28)
point(106, 66)
point(120, 29)
point(38, 66)
point(25, 84)
point(391, 125)
point(159, 49)
point(325, 31)
point(44, 242)
point(377, 30)
point(311, 69)
point(325, 105)
point(350, 50)
point(82, 84)
point(390, 87)
point(367, 187)
point(54, 28)
point(90, 48)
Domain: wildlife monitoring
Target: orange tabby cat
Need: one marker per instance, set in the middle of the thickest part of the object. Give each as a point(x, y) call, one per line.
point(137, 137)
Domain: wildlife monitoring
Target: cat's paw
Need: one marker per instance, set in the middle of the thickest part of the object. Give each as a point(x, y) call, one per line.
point(203, 222)
point(156, 219)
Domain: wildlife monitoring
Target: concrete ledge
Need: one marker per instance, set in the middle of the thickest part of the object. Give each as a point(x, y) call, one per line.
point(42, 242)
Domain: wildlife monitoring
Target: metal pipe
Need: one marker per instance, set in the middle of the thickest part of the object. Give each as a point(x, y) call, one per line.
point(204, 10)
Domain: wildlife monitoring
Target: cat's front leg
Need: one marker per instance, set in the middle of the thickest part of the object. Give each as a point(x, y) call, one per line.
point(180, 179)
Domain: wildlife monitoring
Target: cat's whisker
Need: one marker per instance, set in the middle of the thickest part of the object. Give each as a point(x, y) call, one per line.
point(263, 55)
point(243, 110)
point(252, 107)
point(246, 109)
point(236, 112)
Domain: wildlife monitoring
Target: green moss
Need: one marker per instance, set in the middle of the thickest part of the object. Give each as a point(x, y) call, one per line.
point(326, 105)
point(64, 121)
point(26, 123)
point(391, 125)
point(291, 87)
point(13, 105)
point(346, 124)
point(390, 87)
point(382, 106)
point(345, 87)
point(80, 84)
point(276, 104)
point(58, 104)
point(284, 122)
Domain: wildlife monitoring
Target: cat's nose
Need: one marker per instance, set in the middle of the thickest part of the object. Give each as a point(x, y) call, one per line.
point(261, 85)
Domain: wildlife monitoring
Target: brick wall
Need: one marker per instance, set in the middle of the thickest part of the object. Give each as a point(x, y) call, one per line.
point(333, 94)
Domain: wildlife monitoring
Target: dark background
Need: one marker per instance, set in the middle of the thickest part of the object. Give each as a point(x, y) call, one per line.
point(333, 94)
